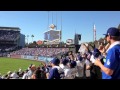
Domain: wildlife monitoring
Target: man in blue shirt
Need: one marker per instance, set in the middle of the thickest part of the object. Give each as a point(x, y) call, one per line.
point(111, 67)
point(54, 71)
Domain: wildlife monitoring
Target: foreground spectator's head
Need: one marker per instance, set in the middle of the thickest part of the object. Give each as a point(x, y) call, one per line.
point(73, 64)
point(79, 58)
point(55, 61)
point(65, 61)
point(112, 34)
point(33, 67)
point(96, 53)
point(112, 31)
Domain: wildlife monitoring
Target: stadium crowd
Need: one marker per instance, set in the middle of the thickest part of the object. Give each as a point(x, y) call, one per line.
point(70, 66)
point(9, 35)
point(51, 52)
point(7, 47)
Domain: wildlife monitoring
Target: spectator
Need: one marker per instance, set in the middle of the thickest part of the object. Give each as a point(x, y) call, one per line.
point(30, 72)
point(71, 72)
point(55, 71)
point(111, 67)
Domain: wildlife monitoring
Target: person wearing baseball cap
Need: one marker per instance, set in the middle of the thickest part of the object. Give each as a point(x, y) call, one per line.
point(54, 72)
point(70, 73)
point(64, 63)
point(111, 67)
point(114, 32)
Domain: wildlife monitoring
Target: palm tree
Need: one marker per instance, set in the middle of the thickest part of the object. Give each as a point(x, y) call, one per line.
point(27, 38)
point(32, 37)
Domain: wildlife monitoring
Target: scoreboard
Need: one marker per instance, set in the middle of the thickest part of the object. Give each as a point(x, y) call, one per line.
point(52, 35)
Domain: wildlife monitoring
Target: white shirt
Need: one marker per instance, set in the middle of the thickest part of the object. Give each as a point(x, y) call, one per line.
point(63, 66)
point(112, 45)
point(29, 73)
point(70, 73)
point(80, 68)
point(92, 59)
point(25, 76)
point(87, 62)
point(14, 76)
point(80, 64)
point(60, 70)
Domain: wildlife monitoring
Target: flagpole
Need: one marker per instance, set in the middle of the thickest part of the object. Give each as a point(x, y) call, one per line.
point(93, 32)
point(48, 20)
point(61, 29)
point(56, 20)
point(52, 17)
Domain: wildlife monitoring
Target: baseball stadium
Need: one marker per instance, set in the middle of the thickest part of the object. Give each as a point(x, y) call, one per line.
point(52, 58)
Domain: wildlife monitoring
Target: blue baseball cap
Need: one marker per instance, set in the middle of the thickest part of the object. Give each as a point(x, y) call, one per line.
point(73, 63)
point(80, 58)
point(113, 32)
point(55, 61)
point(65, 61)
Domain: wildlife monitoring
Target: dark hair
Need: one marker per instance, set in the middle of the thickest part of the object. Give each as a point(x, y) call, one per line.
point(96, 53)
point(65, 61)
point(63, 56)
point(73, 64)
point(39, 74)
point(115, 38)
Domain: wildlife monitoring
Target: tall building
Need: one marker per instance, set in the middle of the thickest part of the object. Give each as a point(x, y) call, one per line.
point(22, 40)
point(77, 38)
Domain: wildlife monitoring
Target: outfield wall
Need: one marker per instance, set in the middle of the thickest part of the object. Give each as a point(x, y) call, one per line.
point(40, 58)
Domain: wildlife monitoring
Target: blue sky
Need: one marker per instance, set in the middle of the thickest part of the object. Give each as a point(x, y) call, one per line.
point(36, 22)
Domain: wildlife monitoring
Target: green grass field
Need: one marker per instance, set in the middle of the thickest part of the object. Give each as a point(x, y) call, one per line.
point(10, 64)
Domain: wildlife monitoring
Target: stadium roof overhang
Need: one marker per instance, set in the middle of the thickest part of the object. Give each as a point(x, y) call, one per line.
point(10, 28)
